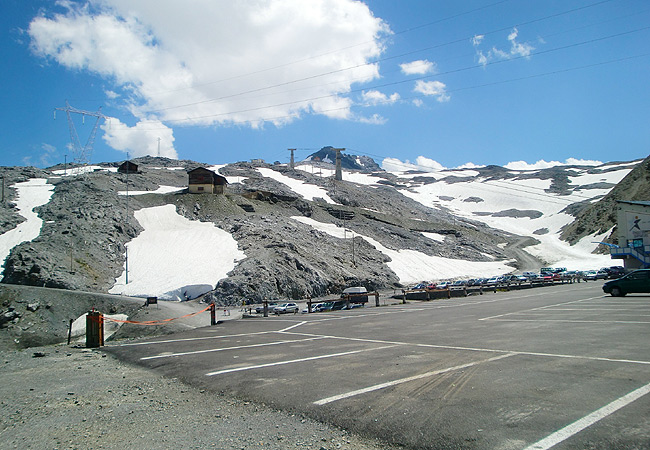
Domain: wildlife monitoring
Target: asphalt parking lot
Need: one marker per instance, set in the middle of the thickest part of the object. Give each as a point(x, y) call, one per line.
point(560, 367)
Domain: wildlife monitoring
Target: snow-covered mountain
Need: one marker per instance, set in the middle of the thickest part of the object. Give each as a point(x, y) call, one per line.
point(281, 233)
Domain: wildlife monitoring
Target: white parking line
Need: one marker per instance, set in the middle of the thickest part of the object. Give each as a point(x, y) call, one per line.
point(280, 363)
point(572, 321)
point(238, 347)
point(476, 349)
point(538, 308)
point(168, 341)
point(377, 387)
point(579, 425)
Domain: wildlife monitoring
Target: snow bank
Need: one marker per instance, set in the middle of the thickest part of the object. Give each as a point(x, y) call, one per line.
point(160, 190)
point(72, 171)
point(305, 190)
point(31, 194)
point(175, 258)
point(412, 266)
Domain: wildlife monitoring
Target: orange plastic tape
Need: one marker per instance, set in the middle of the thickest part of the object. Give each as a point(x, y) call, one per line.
point(157, 322)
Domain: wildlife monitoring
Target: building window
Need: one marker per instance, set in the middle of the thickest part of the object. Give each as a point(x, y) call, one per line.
point(201, 188)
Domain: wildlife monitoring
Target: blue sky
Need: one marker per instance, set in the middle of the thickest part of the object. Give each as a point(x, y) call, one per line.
point(430, 83)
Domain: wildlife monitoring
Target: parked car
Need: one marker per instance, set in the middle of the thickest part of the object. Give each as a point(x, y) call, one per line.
point(260, 309)
point(443, 285)
point(614, 271)
point(355, 294)
point(315, 307)
point(634, 282)
point(286, 308)
point(593, 275)
point(492, 281)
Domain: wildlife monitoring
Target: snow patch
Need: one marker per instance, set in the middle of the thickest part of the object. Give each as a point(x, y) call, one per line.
point(31, 194)
point(175, 258)
point(412, 266)
point(160, 190)
point(305, 190)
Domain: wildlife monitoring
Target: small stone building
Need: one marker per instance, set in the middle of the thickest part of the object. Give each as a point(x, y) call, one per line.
point(633, 229)
point(128, 167)
point(204, 181)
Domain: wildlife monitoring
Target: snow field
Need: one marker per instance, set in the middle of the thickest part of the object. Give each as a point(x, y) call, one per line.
point(175, 258)
point(305, 190)
point(412, 266)
point(31, 194)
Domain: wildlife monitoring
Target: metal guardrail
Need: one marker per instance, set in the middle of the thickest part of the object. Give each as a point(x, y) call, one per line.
point(643, 256)
point(464, 291)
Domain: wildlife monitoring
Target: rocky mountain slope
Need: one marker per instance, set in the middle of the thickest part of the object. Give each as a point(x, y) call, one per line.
point(600, 217)
point(89, 220)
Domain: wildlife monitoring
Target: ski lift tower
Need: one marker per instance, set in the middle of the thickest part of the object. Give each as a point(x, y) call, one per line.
point(81, 154)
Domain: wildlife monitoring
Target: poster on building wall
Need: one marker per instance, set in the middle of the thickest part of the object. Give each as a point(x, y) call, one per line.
point(638, 227)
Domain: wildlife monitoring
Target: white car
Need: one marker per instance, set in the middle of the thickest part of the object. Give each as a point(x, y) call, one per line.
point(286, 308)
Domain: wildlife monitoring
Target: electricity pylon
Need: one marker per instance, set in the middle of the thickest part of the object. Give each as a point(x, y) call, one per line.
point(81, 154)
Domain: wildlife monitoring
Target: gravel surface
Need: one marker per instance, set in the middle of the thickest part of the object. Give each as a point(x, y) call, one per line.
point(66, 397)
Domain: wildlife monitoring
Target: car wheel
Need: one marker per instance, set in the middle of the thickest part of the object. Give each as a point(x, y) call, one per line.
point(616, 292)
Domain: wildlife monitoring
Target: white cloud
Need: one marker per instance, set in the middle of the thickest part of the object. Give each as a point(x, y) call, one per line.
point(218, 59)
point(419, 67)
point(517, 49)
point(422, 163)
point(376, 97)
point(375, 119)
point(436, 89)
point(141, 139)
point(418, 102)
point(470, 165)
point(541, 164)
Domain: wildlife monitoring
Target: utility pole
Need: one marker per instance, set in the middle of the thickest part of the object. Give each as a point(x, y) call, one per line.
point(291, 166)
point(3, 189)
point(126, 248)
point(65, 165)
point(158, 148)
point(338, 175)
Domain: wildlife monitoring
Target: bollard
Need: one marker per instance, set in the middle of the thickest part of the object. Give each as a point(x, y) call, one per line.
point(94, 329)
point(213, 314)
point(70, 331)
point(266, 308)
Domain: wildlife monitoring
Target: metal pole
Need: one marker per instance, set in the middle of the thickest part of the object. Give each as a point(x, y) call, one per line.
point(65, 165)
point(126, 255)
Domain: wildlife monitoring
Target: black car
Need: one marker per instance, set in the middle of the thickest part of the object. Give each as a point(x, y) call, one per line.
point(634, 282)
point(614, 271)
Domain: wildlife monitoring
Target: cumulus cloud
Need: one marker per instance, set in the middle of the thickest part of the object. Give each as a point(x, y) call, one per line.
point(376, 97)
point(141, 139)
point(375, 119)
point(516, 50)
point(541, 164)
point(419, 67)
point(435, 89)
point(218, 63)
point(422, 163)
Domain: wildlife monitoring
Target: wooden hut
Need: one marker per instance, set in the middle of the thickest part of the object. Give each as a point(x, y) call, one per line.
point(204, 181)
point(128, 167)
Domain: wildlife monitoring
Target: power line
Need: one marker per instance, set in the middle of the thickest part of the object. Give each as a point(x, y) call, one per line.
point(449, 72)
point(295, 115)
point(340, 50)
point(464, 39)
